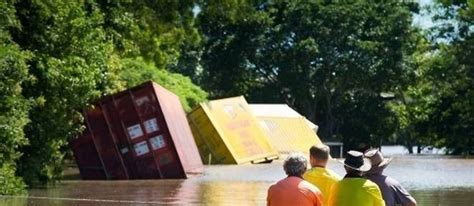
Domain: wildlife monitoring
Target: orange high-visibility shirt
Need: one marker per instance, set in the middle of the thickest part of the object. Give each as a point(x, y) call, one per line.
point(294, 191)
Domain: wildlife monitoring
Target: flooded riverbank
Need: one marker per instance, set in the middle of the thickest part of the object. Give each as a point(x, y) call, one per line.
point(433, 180)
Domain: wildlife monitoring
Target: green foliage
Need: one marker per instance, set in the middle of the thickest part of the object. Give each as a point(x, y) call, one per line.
point(10, 184)
point(137, 71)
point(437, 109)
point(154, 30)
point(73, 63)
point(58, 56)
point(414, 104)
point(232, 32)
point(13, 106)
point(453, 117)
point(323, 58)
point(367, 121)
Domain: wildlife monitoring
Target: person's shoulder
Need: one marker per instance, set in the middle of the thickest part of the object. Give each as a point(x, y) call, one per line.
point(391, 181)
point(369, 183)
point(333, 175)
point(271, 188)
point(279, 182)
point(372, 188)
point(308, 186)
point(311, 172)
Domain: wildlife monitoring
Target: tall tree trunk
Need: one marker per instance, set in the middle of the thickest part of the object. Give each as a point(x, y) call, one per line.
point(410, 148)
point(328, 131)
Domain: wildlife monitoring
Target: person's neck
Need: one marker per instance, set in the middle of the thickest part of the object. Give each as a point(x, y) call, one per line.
point(297, 176)
point(353, 175)
point(319, 165)
point(374, 174)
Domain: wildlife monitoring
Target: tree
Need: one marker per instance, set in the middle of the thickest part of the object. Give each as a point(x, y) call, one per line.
point(72, 64)
point(317, 56)
point(232, 32)
point(454, 114)
point(158, 31)
point(136, 71)
point(414, 104)
point(438, 110)
point(13, 106)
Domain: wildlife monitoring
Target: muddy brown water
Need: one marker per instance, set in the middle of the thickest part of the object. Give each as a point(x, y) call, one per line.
point(432, 180)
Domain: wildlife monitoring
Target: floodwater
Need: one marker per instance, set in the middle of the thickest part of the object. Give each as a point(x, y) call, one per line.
point(432, 180)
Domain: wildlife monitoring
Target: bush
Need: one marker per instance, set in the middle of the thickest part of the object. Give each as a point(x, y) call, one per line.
point(136, 71)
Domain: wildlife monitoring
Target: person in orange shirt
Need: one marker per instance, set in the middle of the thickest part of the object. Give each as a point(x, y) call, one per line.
point(294, 190)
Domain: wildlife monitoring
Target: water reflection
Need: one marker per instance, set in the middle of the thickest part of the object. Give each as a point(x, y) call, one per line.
point(453, 196)
point(234, 193)
point(431, 180)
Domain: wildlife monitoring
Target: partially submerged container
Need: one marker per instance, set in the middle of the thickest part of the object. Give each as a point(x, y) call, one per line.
point(140, 133)
point(286, 129)
point(226, 132)
point(279, 110)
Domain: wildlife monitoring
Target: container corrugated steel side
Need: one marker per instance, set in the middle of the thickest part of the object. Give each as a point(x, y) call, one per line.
point(226, 132)
point(278, 110)
point(289, 134)
point(140, 133)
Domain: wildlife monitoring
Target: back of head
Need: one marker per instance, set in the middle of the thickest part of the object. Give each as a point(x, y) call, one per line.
point(295, 164)
point(320, 152)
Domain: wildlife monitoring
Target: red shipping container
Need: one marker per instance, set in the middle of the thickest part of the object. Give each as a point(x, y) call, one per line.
point(140, 133)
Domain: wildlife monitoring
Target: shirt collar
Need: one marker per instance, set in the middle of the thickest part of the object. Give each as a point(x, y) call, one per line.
point(352, 176)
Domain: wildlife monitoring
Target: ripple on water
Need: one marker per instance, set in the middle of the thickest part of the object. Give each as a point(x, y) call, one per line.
point(431, 180)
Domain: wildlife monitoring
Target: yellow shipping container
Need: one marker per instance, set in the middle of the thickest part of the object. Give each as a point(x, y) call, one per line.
point(226, 132)
point(289, 134)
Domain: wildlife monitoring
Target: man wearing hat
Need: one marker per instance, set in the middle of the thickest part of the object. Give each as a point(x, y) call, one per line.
point(392, 191)
point(353, 189)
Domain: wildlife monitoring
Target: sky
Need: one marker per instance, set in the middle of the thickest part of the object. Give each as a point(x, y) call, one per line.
point(423, 19)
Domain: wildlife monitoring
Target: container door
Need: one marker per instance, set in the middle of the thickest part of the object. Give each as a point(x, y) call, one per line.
point(105, 145)
point(157, 133)
point(135, 131)
point(87, 158)
point(121, 139)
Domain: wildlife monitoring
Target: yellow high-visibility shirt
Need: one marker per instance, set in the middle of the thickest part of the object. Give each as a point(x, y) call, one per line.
point(355, 191)
point(322, 178)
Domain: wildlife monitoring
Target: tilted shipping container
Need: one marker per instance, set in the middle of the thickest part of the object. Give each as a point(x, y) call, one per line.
point(289, 134)
point(140, 133)
point(226, 132)
point(286, 129)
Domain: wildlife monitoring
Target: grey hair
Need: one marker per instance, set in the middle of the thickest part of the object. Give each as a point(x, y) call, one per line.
point(295, 164)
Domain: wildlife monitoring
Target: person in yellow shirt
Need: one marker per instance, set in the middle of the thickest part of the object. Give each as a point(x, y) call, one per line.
point(353, 189)
point(319, 175)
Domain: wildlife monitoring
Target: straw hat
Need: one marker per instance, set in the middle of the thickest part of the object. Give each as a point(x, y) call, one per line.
point(356, 161)
point(377, 160)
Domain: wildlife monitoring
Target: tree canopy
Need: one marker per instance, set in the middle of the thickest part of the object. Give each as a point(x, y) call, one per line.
point(330, 60)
